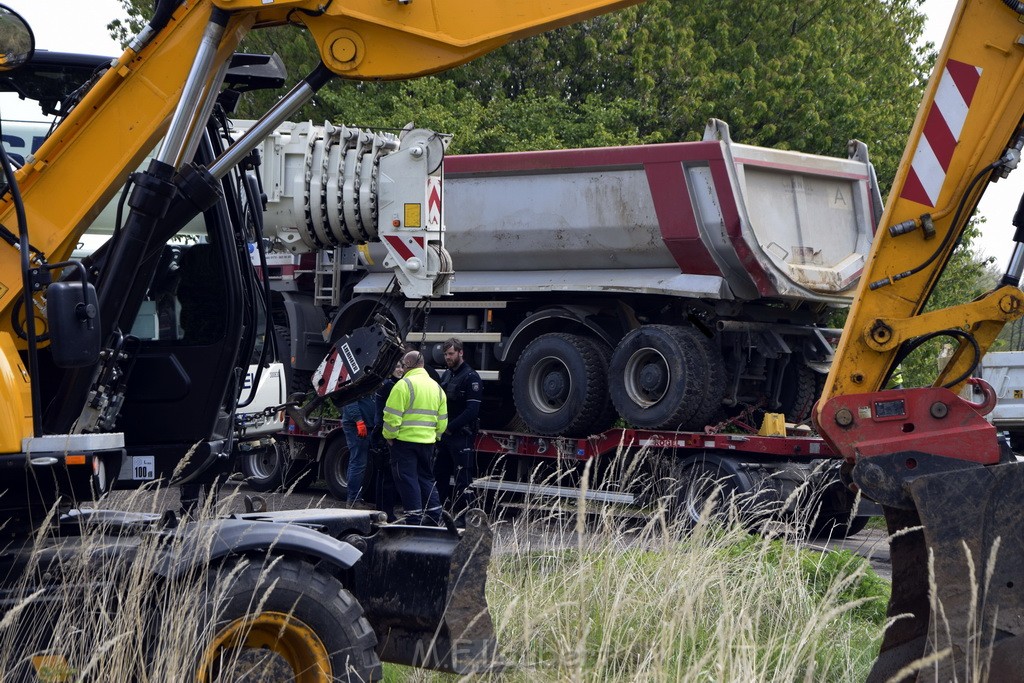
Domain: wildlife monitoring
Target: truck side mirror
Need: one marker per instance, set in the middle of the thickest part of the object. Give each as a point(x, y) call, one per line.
point(72, 310)
point(17, 43)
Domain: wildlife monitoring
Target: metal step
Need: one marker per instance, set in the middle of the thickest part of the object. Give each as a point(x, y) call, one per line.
point(417, 337)
point(554, 491)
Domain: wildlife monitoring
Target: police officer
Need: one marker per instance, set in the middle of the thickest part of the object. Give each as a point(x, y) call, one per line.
point(415, 416)
point(463, 388)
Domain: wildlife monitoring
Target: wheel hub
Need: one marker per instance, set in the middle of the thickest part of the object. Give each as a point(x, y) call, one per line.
point(267, 641)
point(652, 378)
point(555, 388)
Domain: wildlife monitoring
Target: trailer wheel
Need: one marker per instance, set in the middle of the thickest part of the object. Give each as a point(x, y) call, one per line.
point(335, 468)
point(833, 520)
point(263, 468)
point(308, 628)
point(560, 385)
point(666, 377)
point(704, 486)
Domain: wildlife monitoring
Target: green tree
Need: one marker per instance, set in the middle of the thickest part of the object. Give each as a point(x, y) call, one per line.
point(798, 74)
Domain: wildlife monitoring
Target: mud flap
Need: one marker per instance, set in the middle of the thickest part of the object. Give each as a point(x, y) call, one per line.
point(422, 590)
point(966, 529)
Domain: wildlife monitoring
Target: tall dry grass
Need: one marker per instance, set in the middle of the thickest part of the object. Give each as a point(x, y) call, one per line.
point(580, 593)
point(98, 604)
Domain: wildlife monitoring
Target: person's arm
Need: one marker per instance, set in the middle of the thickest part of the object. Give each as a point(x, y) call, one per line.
point(394, 408)
point(442, 415)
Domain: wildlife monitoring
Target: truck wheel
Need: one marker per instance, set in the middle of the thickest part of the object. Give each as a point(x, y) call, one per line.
point(607, 416)
point(666, 377)
point(263, 468)
point(838, 526)
point(335, 468)
point(308, 627)
point(560, 385)
point(799, 390)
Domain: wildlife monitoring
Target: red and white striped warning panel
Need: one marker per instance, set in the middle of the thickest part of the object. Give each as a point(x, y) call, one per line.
point(941, 133)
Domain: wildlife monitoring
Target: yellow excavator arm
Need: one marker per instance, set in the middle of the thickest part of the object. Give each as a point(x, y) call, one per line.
point(952, 494)
point(967, 134)
point(392, 39)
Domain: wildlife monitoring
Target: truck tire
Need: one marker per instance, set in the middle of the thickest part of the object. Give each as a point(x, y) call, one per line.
point(306, 622)
point(666, 377)
point(560, 386)
point(296, 381)
point(263, 467)
point(607, 416)
point(834, 506)
point(335, 469)
point(799, 391)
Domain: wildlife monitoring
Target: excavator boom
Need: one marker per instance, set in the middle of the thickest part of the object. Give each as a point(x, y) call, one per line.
point(951, 492)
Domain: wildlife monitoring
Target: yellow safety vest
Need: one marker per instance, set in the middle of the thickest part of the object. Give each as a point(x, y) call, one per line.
point(416, 409)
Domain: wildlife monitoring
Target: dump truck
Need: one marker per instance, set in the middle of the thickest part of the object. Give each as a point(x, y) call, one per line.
point(88, 405)
point(714, 263)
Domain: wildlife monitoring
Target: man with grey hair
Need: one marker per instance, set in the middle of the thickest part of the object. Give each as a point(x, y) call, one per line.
point(415, 417)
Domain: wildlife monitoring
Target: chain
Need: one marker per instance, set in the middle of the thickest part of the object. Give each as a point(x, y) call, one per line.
point(426, 318)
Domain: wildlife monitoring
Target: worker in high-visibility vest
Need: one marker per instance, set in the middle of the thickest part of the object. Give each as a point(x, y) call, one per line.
point(415, 417)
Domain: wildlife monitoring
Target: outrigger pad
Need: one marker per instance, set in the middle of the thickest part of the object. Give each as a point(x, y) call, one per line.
point(973, 536)
point(423, 592)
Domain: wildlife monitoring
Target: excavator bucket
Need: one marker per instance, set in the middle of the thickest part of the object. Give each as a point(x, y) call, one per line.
point(422, 590)
point(957, 605)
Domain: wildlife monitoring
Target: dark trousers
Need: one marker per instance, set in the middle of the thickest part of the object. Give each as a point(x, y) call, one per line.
point(410, 465)
point(455, 460)
point(379, 481)
point(358, 450)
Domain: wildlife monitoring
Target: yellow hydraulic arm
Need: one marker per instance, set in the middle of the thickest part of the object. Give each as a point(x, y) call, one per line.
point(952, 495)
point(87, 160)
point(965, 135)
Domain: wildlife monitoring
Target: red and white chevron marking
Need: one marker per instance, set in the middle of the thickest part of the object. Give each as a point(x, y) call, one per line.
point(941, 133)
point(433, 202)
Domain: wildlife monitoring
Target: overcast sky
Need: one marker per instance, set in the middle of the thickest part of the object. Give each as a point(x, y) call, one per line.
point(80, 26)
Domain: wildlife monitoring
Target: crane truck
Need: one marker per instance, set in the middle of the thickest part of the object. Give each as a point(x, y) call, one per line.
point(80, 406)
point(587, 281)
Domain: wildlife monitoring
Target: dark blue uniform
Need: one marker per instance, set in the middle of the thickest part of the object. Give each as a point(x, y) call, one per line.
point(464, 390)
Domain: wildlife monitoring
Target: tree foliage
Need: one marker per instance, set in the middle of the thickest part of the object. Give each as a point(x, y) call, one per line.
point(797, 74)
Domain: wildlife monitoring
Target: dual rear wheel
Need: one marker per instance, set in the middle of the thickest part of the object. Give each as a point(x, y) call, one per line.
point(658, 377)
